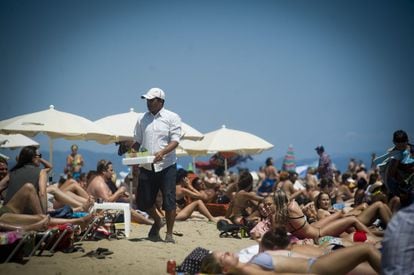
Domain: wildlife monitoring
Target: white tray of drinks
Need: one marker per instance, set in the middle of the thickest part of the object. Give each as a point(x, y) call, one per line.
point(133, 160)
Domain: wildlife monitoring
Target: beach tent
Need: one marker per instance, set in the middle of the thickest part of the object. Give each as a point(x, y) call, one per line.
point(14, 141)
point(56, 124)
point(227, 140)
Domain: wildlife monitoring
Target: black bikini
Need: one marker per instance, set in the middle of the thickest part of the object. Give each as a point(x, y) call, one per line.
point(300, 227)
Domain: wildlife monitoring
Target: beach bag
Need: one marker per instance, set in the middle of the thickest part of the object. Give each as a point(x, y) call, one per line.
point(192, 263)
point(232, 230)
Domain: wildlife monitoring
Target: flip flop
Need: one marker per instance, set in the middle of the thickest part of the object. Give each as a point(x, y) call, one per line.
point(177, 233)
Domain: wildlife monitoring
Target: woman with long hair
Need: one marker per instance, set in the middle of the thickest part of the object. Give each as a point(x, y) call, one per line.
point(367, 214)
point(340, 261)
point(288, 213)
point(28, 171)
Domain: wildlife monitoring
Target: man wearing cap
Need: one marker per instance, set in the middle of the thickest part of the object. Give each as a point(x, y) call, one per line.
point(158, 132)
point(325, 164)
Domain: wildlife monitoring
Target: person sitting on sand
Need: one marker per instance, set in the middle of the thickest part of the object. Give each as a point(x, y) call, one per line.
point(243, 199)
point(289, 214)
point(286, 185)
point(208, 195)
point(184, 208)
point(367, 214)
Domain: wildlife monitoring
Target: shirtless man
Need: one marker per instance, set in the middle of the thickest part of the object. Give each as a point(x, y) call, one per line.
point(237, 208)
point(268, 183)
point(207, 194)
point(99, 188)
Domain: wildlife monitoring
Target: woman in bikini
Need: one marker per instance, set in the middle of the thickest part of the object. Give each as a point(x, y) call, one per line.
point(242, 200)
point(367, 214)
point(345, 260)
point(288, 213)
point(185, 207)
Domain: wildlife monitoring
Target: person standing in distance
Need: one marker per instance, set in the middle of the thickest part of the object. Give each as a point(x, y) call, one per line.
point(325, 164)
point(74, 163)
point(158, 132)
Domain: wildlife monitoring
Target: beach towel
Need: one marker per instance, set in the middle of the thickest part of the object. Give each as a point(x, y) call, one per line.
point(65, 212)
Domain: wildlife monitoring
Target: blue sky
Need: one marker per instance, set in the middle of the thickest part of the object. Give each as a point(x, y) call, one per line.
point(338, 73)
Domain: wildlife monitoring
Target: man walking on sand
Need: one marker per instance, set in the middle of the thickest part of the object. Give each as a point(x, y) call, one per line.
point(158, 132)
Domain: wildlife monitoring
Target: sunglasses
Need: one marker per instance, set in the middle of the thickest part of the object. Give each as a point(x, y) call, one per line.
point(39, 155)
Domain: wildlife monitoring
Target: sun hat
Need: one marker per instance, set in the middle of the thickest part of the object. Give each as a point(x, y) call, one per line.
point(154, 93)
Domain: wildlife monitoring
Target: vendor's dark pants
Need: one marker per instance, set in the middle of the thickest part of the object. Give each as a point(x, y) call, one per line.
point(151, 182)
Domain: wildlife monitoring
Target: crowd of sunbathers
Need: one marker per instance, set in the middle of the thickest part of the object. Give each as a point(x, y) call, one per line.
point(342, 216)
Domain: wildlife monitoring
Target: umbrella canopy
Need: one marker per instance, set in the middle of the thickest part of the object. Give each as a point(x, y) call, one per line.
point(123, 125)
point(14, 141)
point(227, 140)
point(289, 163)
point(56, 124)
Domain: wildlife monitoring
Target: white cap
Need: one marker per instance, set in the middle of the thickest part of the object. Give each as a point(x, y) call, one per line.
point(154, 93)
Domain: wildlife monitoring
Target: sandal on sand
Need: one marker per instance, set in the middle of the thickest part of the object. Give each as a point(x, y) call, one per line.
point(169, 238)
point(178, 233)
point(99, 253)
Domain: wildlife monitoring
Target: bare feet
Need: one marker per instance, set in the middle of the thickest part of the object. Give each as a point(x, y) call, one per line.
point(84, 221)
point(41, 225)
point(88, 204)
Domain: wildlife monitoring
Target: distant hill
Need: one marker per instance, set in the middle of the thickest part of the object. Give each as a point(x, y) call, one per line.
point(92, 157)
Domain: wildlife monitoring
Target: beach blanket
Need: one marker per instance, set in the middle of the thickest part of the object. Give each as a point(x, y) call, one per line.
point(192, 263)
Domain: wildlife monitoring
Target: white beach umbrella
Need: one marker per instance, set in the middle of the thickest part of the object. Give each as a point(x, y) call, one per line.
point(123, 126)
point(56, 124)
point(14, 141)
point(227, 140)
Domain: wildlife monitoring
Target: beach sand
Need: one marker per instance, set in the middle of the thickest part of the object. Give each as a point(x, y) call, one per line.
point(135, 255)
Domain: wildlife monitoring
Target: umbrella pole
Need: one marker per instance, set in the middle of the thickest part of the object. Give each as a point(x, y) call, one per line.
point(225, 164)
point(50, 176)
point(50, 150)
point(194, 167)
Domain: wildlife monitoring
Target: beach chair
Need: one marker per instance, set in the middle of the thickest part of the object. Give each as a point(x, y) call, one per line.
point(14, 245)
point(60, 237)
point(104, 227)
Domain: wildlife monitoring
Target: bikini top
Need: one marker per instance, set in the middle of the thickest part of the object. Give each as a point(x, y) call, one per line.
point(263, 260)
point(300, 227)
